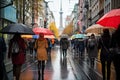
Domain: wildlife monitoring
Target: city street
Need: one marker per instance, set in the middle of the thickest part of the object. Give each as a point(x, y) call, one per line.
point(60, 21)
point(59, 68)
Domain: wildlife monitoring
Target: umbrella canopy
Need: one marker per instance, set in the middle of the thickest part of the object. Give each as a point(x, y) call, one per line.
point(64, 36)
point(98, 29)
point(17, 28)
point(78, 36)
point(111, 19)
point(89, 34)
point(49, 36)
point(37, 36)
point(38, 30)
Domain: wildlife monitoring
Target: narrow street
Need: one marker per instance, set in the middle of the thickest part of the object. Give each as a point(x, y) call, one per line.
point(61, 68)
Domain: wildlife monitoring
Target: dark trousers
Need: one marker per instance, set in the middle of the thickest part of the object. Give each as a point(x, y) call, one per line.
point(64, 51)
point(106, 64)
point(41, 67)
point(116, 62)
point(17, 71)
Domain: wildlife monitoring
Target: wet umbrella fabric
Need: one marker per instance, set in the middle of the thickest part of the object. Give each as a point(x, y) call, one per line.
point(45, 31)
point(17, 28)
point(98, 29)
point(111, 19)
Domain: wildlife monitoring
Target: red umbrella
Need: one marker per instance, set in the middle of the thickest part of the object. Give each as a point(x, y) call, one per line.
point(38, 30)
point(110, 19)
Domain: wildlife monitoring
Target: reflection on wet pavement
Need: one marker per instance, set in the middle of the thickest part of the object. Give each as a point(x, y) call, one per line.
point(64, 68)
point(57, 68)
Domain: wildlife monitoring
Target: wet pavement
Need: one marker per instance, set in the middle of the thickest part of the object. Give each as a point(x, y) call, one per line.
point(62, 68)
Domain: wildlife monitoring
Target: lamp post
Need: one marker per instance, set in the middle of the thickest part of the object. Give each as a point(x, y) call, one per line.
point(46, 13)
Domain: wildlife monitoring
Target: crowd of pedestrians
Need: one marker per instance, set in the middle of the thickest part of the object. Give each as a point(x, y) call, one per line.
point(109, 46)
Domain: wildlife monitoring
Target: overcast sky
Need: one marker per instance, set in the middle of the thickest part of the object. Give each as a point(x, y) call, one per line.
point(67, 7)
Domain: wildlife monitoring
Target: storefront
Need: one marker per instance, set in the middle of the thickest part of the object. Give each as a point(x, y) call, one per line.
point(7, 16)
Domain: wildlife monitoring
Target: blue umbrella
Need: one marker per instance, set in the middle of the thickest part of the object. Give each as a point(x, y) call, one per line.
point(35, 36)
point(80, 36)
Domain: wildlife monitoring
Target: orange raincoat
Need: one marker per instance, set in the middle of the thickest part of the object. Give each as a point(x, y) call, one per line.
point(41, 46)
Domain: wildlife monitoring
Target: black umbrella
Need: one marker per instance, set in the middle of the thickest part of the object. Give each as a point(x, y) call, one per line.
point(17, 28)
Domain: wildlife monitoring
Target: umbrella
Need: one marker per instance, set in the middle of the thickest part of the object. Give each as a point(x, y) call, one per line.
point(17, 28)
point(26, 36)
point(64, 36)
point(111, 19)
point(38, 30)
point(49, 36)
point(98, 29)
point(89, 34)
point(78, 36)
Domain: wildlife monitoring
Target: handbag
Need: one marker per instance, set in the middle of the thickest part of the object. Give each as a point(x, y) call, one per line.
point(108, 50)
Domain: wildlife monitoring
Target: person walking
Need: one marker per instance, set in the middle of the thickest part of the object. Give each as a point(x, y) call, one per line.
point(92, 49)
point(3, 73)
point(81, 47)
point(49, 46)
point(41, 46)
point(18, 58)
point(116, 57)
point(104, 45)
point(64, 43)
point(31, 46)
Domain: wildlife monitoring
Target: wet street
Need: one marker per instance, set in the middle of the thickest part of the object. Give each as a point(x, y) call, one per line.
point(62, 68)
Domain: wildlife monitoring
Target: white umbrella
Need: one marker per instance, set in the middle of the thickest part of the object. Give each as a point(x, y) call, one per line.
point(98, 29)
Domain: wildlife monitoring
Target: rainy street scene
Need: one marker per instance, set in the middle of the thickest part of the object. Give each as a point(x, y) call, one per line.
point(59, 39)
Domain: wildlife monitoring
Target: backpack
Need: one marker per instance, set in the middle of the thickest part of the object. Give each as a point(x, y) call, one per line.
point(92, 44)
point(15, 48)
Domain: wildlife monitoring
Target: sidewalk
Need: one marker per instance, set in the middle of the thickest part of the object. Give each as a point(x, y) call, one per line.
point(93, 73)
point(29, 60)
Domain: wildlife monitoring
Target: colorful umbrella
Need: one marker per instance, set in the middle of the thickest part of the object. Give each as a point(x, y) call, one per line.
point(49, 36)
point(45, 31)
point(78, 36)
point(98, 29)
point(111, 19)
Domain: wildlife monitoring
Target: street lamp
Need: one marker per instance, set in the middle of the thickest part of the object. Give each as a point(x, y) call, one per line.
point(46, 14)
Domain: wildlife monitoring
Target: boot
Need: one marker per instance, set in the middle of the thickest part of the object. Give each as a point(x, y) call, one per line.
point(39, 75)
point(43, 67)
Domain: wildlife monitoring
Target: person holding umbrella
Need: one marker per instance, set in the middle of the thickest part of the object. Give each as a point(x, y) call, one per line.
point(64, 44)
point(18, 58)
point(104, 45)
point(92, 49)
point(41, 46)
point(115, 45)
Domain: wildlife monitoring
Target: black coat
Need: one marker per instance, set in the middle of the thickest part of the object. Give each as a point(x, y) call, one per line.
point(104, 45)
